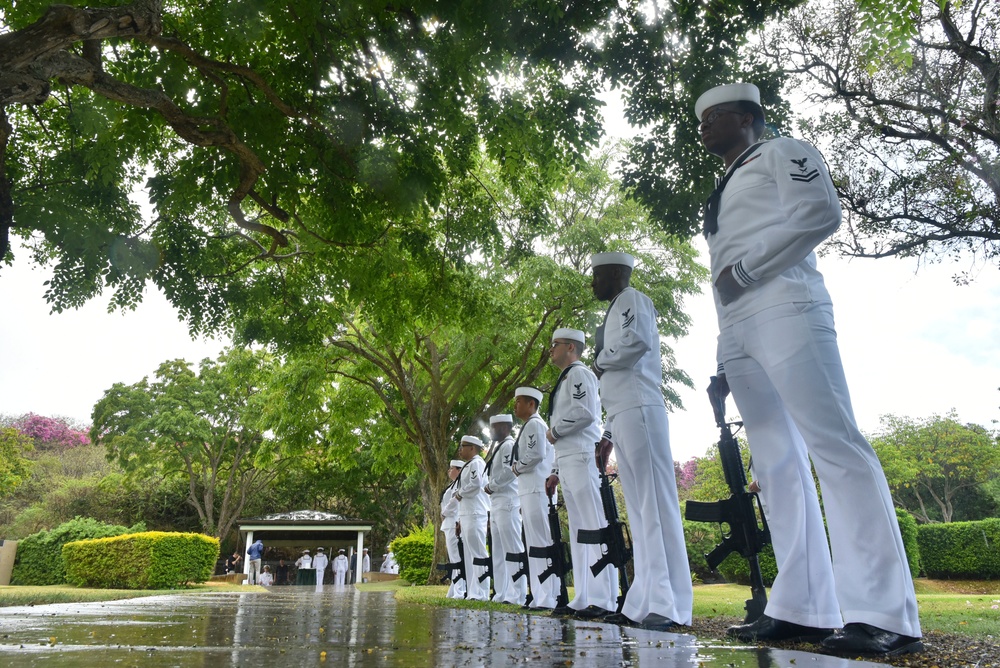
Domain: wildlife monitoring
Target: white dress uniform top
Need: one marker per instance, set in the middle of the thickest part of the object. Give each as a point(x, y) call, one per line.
point(341, 565)
point(637, 419)
point(505, 520)
point(449, 515)
point(778, 350)
point(575, 422)
point(534, 459)
point(473, 510)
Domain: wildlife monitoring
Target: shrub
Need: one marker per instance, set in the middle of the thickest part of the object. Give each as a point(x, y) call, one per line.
point(700, 539)
point(39, 556)
point(149, 560)
point(908, 529)
point(415, 555)
point(735, 568)
point(961, 549)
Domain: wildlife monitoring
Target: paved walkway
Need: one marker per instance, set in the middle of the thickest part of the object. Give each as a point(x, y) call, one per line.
point(297, 626)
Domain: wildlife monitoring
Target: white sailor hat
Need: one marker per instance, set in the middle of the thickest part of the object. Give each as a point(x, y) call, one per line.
point(600, 259)
point(457, 464)
point(305, 551)
point(737, 92)
point(528, 392)
point(472, 440)
point(340, 550)
point(503, 417)
point(319, 549)
point(571, 334)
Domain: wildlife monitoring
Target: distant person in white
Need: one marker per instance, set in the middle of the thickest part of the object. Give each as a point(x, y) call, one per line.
point(340, 567)
point(320, 562)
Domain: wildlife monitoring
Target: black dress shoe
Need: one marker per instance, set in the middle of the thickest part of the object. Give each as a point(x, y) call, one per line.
point(619, 619)
point(591, 612)
point(655, 622)
point(563, 611)
point(768, 628)
point(868, 640)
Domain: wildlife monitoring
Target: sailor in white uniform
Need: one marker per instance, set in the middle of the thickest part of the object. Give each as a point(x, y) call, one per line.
point(449, 517)
point(574, 429)
point(473, 511)
point(505, 513)
point(627, 361)
point(534, 457)
point(778, 355)
point(320, 562)
point(340, 567)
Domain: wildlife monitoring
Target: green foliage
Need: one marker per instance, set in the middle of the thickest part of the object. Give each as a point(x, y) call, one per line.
point(735, 568)
point(295, 133)
point(149, 560)
point(911, 542)
point(39, 556)
point(14, 467)
point(700, 538)
point(961, 549)
point(207, 428)
point(929, 463)
point(907, 113)
point(415, 554)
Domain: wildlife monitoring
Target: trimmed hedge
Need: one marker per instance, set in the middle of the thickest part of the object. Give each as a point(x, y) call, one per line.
point(961, 549)
point(908, 529)
point(150, 560)
point(39, 556)
point(415, 555)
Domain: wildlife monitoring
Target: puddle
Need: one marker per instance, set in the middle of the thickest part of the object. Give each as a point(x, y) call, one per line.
point(298, 626)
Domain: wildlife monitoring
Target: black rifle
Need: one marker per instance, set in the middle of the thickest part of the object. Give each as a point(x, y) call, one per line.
point(457, 566)
point(521, 559)
point(617, 551)
point(739, 511)
point(487, 561)
point(557, 554)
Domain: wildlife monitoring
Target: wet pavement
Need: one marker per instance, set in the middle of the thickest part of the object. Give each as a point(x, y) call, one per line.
point(297, 626)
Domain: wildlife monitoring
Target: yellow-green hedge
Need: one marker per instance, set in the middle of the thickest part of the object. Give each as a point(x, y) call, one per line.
point(150, 560)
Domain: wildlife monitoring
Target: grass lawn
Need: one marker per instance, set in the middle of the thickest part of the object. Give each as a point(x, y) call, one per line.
point(964, 607)
point(67, 594)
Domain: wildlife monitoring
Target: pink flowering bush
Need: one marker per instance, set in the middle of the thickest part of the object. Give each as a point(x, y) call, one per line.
point(686, 473)
point(48, 432)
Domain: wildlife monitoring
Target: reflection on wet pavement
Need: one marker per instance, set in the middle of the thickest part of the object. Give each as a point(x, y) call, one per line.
point(299, 626)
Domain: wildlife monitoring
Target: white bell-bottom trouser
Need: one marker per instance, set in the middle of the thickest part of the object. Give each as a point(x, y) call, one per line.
point(474, 541)
point(662, 581)
point(581, 493)
point(456, 589)
point(505, 535)
point(535, 516)
point(784, 370)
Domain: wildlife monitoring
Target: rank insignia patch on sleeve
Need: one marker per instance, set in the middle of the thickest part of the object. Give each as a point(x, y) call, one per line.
point(579, 394)
point(803, 175)
point(627, 318)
